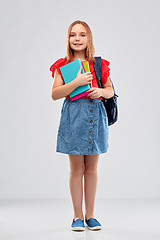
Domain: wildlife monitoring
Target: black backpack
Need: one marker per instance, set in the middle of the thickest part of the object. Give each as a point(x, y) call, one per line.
point(111, 103)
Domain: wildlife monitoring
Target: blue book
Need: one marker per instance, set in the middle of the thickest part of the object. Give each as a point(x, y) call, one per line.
point(69, 73)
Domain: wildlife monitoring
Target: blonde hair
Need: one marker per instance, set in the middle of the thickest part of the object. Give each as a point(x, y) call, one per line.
point(89, 51)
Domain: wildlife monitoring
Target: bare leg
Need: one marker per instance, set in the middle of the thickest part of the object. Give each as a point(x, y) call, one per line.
point(76, 183)
point(90, 183)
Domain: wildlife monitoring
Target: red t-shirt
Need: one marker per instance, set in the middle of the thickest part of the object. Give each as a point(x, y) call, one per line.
point(105, 72)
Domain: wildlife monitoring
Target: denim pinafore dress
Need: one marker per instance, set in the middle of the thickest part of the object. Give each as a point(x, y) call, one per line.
point(83, 127)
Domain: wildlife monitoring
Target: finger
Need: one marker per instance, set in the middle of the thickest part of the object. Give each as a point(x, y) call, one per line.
point(80, 69)
point(88, 73)
point(90, 90)
point(91, 94)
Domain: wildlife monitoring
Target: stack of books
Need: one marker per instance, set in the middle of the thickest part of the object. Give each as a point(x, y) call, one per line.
point(69, 73)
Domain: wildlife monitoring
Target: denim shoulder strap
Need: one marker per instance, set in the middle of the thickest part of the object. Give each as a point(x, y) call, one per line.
point(98, 70)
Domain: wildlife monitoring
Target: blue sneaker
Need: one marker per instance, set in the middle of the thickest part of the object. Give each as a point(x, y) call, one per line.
point(93, 224)
point(78, 225)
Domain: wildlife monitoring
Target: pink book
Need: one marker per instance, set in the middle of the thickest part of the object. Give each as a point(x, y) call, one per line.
point(85, 66)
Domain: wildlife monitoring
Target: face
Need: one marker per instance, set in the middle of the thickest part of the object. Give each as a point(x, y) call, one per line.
point(78, 37)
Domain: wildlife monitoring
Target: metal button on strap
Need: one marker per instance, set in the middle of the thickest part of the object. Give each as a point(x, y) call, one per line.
point(90, 131)
point(91, 110)
point(91, 121)
point(90, 142)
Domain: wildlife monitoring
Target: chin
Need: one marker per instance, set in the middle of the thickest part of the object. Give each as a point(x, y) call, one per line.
point(78, 49)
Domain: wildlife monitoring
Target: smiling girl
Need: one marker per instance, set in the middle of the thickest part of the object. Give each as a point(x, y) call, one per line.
point(83, 128)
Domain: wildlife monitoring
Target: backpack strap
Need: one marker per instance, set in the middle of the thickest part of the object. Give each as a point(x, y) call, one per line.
point(98, 70)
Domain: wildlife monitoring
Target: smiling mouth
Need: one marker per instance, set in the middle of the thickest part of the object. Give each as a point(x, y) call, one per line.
point(77, 44)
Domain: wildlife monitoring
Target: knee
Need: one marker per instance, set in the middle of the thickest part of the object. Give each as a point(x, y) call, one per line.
point(90, 170)
point(77, 171)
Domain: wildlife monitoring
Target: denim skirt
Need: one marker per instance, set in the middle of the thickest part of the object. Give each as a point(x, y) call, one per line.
point(83, 127)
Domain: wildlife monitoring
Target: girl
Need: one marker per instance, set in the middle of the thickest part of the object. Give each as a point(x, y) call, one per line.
point(83, 128)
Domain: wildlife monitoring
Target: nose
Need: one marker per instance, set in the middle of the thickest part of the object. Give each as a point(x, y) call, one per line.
point(77, 37)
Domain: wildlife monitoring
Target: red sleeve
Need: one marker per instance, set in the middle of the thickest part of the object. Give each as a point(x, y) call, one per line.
point(59, 63)
point(105, 70)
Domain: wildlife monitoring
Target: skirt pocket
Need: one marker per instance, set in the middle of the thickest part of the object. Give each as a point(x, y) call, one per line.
point(103, 110)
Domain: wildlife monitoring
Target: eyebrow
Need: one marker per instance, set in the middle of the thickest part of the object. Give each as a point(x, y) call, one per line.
point(80, 32)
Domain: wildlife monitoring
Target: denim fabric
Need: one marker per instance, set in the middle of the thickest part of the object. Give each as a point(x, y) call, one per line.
point(83, 127)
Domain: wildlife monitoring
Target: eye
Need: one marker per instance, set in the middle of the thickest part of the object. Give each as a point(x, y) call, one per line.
point(72, 34)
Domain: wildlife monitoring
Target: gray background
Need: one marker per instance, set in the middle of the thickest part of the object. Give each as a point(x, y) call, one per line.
point(32, 38)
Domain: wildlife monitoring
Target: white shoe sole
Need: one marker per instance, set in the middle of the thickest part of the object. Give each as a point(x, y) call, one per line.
point(94, 228)
point(78, 228)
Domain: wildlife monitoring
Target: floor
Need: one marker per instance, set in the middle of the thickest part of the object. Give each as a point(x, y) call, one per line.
point(51, 219)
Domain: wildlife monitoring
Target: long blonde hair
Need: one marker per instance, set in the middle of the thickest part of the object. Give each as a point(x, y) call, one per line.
point(89, 51)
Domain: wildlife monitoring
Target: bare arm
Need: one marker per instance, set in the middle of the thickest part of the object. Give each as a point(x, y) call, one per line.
point(107, 90)
point(59, 89)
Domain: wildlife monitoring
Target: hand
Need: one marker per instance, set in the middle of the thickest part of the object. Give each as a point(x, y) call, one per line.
point(94, 92)
point(83, 78)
